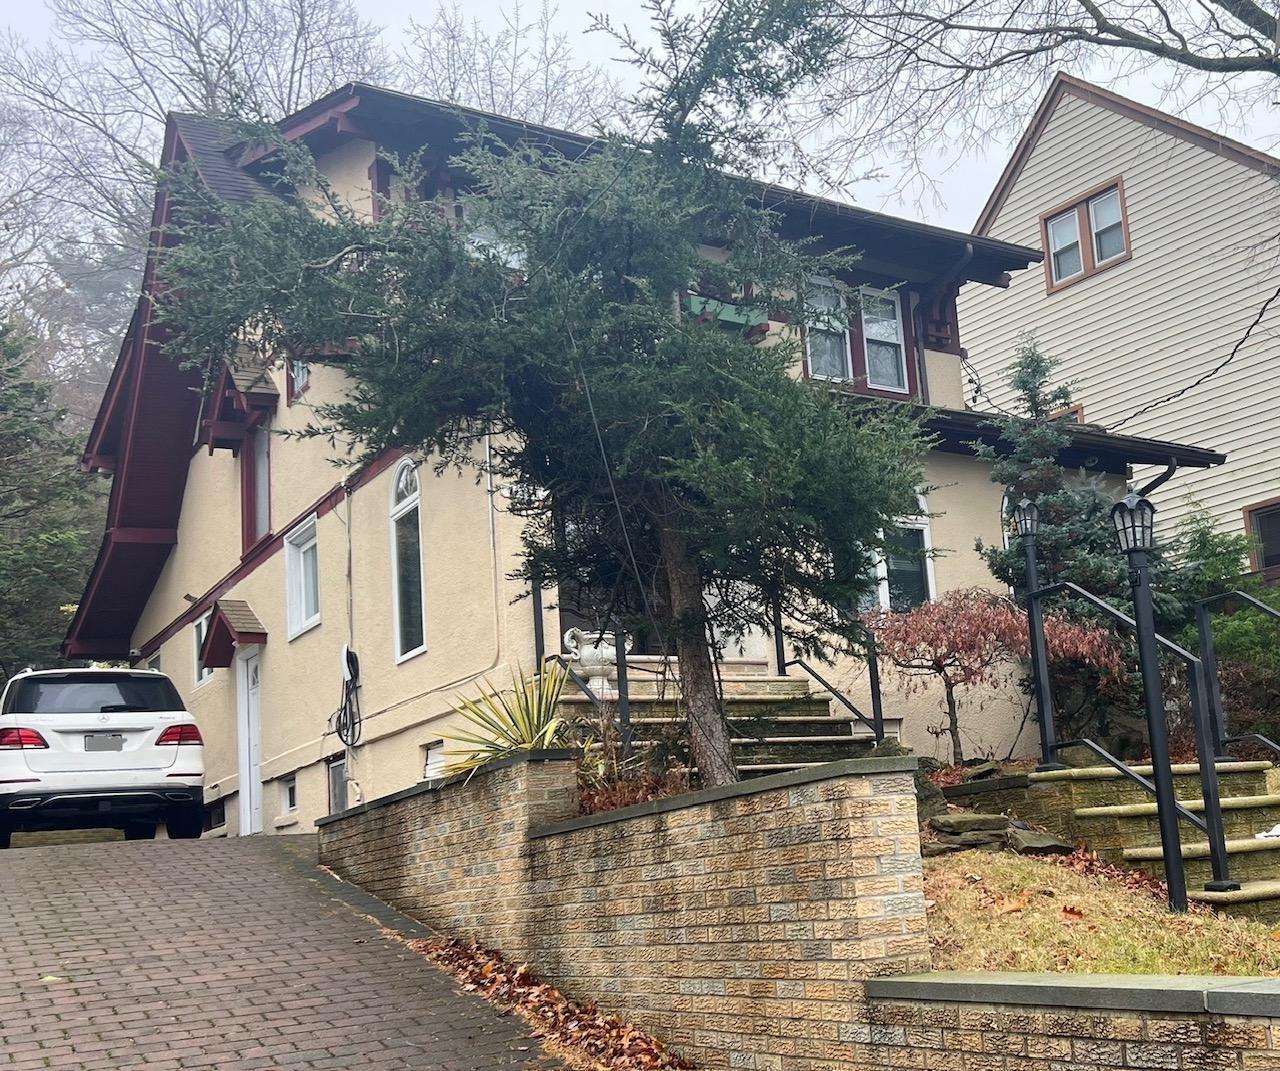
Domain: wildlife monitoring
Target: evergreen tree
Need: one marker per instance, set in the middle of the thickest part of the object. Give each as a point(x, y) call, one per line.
point(47, 510)
point(593, 331)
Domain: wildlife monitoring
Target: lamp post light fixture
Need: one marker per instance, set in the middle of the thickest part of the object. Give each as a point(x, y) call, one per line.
point(1134, 520)
point(1026, 515)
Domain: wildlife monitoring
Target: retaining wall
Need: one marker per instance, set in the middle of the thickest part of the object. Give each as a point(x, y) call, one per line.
point(735, 923)
point(775, 925)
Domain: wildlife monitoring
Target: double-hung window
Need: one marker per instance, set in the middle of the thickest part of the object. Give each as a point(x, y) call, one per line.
point(1064, 246)
point(882, 337)
point(1106, 225)
point(406, 562)
point(1086, 236)
point(302, 577)
point(904, 572)
point(827, 337)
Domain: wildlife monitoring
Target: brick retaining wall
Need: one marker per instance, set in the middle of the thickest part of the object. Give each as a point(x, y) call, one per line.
point(772, 925)
point(735, 923)
point(1040, 1022)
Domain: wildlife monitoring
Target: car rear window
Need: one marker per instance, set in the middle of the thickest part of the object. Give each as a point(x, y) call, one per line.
point(73, 694)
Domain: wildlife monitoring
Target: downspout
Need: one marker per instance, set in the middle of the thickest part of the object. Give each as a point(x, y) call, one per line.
point(928, 297)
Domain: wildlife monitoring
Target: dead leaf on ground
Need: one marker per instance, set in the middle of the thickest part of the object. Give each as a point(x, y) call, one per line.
point(1070, 913)
point(1014, 903)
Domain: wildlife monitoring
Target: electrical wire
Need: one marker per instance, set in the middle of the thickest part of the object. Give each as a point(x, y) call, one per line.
point(1262, 312)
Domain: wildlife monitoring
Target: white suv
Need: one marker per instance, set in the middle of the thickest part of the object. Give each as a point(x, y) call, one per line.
point(99, 748)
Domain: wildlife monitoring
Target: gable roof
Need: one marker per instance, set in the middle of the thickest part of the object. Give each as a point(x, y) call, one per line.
point(1064, 85)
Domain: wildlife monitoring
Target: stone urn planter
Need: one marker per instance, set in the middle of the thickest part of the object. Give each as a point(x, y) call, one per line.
point(596, 658)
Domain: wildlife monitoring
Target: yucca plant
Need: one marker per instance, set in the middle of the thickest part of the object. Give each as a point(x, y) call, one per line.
point(525, 718)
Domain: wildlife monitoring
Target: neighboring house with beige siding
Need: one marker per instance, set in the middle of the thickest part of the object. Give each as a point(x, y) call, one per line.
point(1160, 251)
point(242, 562)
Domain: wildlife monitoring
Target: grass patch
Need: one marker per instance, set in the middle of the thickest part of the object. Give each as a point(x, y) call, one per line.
point(1002, 912)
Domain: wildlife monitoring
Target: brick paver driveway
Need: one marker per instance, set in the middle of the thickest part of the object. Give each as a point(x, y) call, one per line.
point(231, 954)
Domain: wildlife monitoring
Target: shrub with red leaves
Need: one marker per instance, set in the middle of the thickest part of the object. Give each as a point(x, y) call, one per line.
point(968, 638)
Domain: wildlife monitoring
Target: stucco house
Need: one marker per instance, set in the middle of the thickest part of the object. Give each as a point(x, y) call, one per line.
point(1159, 243)
point(243, 563)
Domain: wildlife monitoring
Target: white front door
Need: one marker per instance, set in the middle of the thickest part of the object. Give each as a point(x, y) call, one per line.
point(249, 734)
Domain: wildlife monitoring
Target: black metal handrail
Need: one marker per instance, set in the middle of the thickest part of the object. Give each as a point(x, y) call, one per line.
point(875, 723)
point(1204, 629)
point(1207, 748)
point(1131, 774)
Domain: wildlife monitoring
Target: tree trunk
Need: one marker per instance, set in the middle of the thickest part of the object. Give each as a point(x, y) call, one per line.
point(953, 727)
point(708, 732)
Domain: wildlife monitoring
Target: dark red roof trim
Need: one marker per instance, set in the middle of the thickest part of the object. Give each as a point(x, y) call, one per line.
point(262, 551)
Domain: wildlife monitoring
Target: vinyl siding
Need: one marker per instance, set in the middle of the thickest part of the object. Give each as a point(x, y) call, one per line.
point(1199, 274)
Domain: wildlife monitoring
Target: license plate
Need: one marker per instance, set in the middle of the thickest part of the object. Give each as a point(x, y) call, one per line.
point(104, 742)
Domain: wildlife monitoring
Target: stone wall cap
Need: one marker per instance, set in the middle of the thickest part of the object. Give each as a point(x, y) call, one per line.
point(984, 785)
point(828, 771)
point(1100, 992)
point(437, 783)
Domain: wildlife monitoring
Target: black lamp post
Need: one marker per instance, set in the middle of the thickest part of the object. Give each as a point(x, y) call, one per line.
point(1134, 520)
point(1026, 515)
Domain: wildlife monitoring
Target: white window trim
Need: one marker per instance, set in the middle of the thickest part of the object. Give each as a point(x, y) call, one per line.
point(302, 536)
point(896, 298)
point(842, 309)
point(1053, 266)
point(398, 510)
point(199, 632)
point(285, 782)
point(921, 522)
point(1093, 226)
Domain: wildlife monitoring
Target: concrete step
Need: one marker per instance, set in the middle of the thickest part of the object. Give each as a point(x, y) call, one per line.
point(1248, 859)
point(1104, 786)
point(1254, 899)
point(1137, 825)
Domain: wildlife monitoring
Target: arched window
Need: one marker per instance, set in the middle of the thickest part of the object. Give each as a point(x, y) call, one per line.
point(406, 562)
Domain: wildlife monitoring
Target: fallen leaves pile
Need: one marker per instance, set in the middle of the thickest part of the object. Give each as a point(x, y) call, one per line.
point(1087, 864)
point(593, 1039)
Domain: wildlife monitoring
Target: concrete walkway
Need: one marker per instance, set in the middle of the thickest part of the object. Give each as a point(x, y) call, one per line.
point(227, 954)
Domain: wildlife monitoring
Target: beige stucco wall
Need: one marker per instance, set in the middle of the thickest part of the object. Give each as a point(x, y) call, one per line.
point(964, 505)
point(1145, 328)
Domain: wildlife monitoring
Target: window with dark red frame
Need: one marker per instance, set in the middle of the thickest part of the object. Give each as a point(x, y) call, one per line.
point(870, 347)
point(255, 486)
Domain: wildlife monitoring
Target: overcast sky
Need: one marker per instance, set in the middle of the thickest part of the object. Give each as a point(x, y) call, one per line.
point(962, 185)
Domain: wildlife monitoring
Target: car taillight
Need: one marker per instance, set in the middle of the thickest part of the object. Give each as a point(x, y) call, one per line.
point(181, 734)
point(13, 739)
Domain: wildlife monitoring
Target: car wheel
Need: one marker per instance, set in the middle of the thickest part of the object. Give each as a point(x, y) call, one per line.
point(140, 831)
point(5, 834)
point(186, 824)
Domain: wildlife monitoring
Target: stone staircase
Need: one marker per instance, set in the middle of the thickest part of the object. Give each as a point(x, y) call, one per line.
point(777, 723)
point(1098, 807)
